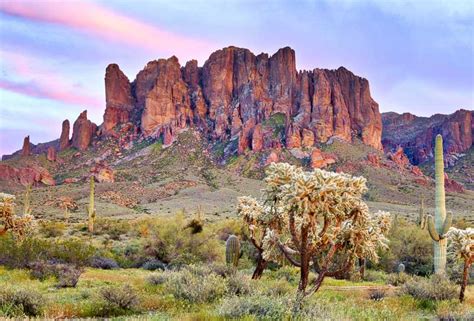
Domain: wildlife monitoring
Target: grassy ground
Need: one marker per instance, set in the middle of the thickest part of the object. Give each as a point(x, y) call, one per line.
point(337, 299)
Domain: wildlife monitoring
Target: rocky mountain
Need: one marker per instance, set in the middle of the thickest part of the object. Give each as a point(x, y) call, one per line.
point(234, 92)
point(416, 134)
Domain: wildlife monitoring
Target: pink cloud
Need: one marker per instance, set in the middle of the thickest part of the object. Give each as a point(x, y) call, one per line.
point(39, 90)
point(37, 81)
point(105, 23)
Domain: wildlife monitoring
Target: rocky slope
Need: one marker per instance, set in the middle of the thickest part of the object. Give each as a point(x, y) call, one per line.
point(416, 134)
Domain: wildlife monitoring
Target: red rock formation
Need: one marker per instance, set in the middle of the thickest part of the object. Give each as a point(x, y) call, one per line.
point(64, 139)
point(51, 154)
point(83, 132)
point(31, 175)
point(452, 186)
point(293, 137)
point(26, 150)
point(416, 134)
point(321, 160)
point(373, 159)
point(272, 158)
point(307, 139)
point(257, 138)
point(167, 103)
point(103, 173)
point(415, 170)
point(399, 158)
point(118, 97)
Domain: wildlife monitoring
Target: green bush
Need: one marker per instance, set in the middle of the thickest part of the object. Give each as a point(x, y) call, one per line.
point(19, 255)
point(435, 288)
point(398, 279)
point(409, 245)
point(196, 284)
point(240, 284)
point(375, 276)
point(21, 302)
point(170, 242)
point(66, 274)
point(52, 229)
point(122, 298)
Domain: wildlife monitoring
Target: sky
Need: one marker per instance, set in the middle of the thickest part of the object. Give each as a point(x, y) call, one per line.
point(417, 54)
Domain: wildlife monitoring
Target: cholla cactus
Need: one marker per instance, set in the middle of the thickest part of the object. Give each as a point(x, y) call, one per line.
point(91, 209)
point(308, 217)
point(19, 226)
point(461, 246)
point(439, 226)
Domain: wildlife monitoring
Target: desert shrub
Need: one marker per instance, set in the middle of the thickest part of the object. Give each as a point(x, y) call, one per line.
point(113, 228)
point(409, 245)
point(123, 298)
point(170, 242)
point(377, 294)
point(104, 263)
point(197, 284)
point(435, 288)
point(375, 276)
point(278, 288)
point(18, 302)
point(67, 275)
point(239, 284)
point(21, 254)
point(157, 279)
point(261, 307)
point(221, 269)
point(153, 265)
point(52, 229)
point(398, 279)
point(288, 273)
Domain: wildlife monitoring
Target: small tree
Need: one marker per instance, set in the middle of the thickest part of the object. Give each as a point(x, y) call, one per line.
point(309, 217)
point(19, 226)
point(461, 246)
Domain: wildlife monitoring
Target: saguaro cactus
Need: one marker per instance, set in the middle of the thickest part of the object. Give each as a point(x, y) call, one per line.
point(27, 201)
point(91, 209)
point(422, 218)
point(439, 226)
point(232, 251)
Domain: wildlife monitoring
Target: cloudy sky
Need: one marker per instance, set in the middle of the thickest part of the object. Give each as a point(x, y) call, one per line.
point(417, 54)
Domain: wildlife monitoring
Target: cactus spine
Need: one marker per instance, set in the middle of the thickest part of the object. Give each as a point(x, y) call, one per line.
point(91, 209)
point(439, 226)
point(232, 251)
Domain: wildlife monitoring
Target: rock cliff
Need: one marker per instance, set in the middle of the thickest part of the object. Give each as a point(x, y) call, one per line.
point(235, 91)
point(416, 134)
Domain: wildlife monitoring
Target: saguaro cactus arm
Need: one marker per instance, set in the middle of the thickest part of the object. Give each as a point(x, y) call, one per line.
point(432, 229)
point(447, 224)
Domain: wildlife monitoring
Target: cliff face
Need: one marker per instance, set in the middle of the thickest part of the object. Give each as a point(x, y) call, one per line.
point(416, 134)
point(235, 91)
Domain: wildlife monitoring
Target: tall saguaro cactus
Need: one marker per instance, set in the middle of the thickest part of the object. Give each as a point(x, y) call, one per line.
point(442, 221)
point(91, 209)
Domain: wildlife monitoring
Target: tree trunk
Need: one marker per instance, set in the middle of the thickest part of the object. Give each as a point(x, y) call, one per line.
point(261, 266)
point(465, 275)
point(362, 268)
